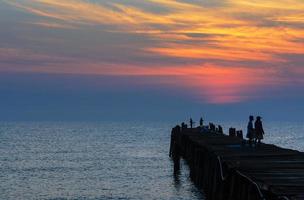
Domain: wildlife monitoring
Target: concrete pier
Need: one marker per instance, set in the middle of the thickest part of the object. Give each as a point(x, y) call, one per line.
point(227, 168)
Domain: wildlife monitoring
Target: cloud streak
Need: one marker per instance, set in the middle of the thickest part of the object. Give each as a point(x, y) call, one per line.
point(212, 42)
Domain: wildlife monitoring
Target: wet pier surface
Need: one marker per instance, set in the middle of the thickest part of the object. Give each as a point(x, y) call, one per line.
point(228, 168)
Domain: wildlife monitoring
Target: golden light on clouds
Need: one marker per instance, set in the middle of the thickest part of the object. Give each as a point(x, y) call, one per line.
point(219, 35)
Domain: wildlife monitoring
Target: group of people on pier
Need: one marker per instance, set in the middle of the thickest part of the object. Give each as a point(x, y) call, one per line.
point(210, 127)
point(255, 129)
point(201, 121)
point(255, 133)
point(184, 125)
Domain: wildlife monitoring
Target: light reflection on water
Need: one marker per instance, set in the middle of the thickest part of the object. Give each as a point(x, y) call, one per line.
point(104, 160)
point(90, 161)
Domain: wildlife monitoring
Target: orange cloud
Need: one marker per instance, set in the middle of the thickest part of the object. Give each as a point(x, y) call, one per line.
point(237, 31)
point(207, 82)
point(229, 54)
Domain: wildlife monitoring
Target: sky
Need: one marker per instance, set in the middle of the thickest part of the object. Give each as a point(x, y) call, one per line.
point(151, 59)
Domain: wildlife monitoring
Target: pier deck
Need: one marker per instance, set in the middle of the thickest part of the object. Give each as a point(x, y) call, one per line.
point(227, 168)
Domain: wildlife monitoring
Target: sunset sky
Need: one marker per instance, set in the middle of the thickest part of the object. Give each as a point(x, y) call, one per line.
point(151, 59)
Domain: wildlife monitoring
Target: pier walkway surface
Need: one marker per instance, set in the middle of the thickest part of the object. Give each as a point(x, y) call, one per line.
point(227, 168)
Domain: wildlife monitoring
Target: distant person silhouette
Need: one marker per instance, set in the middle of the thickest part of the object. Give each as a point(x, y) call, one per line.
point(259, 131)
point(184, 126)
point(191, 123)
point(212, 127)
point(220, 129)
point(201, 122)
point(250, 131)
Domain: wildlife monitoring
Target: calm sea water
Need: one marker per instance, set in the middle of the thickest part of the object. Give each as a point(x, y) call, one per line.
point(102, 160)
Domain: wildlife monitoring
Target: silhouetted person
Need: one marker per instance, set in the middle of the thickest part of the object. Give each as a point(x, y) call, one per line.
point(239, 134)
point(184, 126)
point(201, 122)
point(212, 127)
point(259, 131)
point(250, 130)
point(220, 129)
point(232, 132)
point(191, 123)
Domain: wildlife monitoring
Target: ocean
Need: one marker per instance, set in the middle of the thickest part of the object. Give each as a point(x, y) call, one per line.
point(99, 161)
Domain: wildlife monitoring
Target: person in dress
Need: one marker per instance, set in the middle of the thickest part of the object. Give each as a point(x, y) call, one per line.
point(250, 131)
point(259, 131)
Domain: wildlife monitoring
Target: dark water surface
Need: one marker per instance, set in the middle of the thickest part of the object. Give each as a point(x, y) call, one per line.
point(103, 160)
point(89, 161)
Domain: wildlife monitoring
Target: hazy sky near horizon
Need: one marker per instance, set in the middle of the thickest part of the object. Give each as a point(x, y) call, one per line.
point(96, 58)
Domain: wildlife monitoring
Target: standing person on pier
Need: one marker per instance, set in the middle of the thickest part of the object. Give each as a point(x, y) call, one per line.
point(250, 131)
point(191, 123)
point(259, 131)
point(201, 122)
